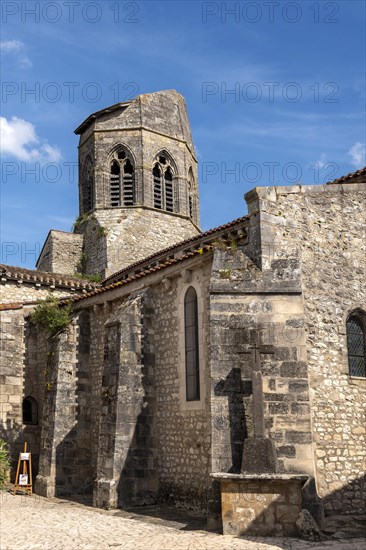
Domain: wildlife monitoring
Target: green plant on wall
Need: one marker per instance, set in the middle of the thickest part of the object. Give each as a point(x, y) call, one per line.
point(233, 245)
point(79, 221)
point(102, 231)
point(4, 463)
point(50, 316)
point(81, 267)
point(94, 278)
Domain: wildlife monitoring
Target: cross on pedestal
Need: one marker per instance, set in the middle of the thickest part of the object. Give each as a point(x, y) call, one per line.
point(259, 454)
point(257, 381)
point(255, 351)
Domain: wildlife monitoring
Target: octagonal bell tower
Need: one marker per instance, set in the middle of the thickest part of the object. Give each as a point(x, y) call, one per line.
point(138, 184)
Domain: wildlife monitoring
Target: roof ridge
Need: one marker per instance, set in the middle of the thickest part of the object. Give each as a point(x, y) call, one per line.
point(175, 246)
point(40, 276)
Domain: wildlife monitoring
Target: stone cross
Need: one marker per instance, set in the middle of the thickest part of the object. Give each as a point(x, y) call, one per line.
point(258, 407)
point(257, 385)
point(259, 453)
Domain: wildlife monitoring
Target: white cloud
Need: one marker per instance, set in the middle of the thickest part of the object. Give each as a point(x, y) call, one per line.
point(16, 47)
point(11, 45)
point(358, 155)
point(322, 161)
point(19, 139)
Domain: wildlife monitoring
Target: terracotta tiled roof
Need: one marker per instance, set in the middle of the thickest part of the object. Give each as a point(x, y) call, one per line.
point(192, 242)
point(173, 255)
point(354, 177)
point(33, 276)
point(148, 271)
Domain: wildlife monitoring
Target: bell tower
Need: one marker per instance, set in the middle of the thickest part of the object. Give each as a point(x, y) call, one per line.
point(138, 184)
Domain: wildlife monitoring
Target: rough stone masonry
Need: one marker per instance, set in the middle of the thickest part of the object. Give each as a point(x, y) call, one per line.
point(146, 393)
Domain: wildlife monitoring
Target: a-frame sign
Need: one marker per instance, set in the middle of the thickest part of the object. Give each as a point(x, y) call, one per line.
point(23, 480)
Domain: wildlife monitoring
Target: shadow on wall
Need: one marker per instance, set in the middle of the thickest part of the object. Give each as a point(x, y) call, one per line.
point(20, 428)
point(236, 389)
point(74, 474)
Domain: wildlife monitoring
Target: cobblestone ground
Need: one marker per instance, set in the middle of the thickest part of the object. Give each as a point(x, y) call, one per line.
point(32, 523)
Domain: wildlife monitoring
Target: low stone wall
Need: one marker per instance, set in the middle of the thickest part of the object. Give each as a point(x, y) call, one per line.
point(266, 505)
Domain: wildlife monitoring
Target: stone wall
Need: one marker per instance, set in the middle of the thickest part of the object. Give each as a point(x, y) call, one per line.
point(15, 292)
point(183, 433)
point(150, 125)
point(21, 376)
point(258, 310)
point(61, 253)
point(65, 437)
point(326, 225)
point(127, 449)
point(118, 237)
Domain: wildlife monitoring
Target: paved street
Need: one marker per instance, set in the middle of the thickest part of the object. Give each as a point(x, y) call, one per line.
point(30, 523)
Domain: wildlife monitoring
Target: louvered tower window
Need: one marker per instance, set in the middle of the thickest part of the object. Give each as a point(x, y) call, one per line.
point(122, 181)
point(157, 187)
point(191, 345)
point(115, 184)
point(128, 184)
point(356, 344)
point(88, 202)
point(163, 185)
point(168, 178)
point(190, 192)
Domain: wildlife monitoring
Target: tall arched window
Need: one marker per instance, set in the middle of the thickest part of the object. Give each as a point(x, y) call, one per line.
point(190, 192)
point(30, 410)
point(122, 180)
point(168, 181)
point(191, 345)
point(356, 344)
point(163, 188)
point(88, 199)
point(158, 188)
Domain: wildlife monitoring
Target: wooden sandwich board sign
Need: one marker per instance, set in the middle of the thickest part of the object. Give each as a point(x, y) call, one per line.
point(23, 480)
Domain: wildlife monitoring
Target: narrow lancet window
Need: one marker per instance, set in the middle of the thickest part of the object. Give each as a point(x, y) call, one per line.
point(122, 180)
point(356, 344)
point(157, 187)
point(169, 199)
point(163, 183)
point(128, 186)
point(115, 185)
point(190, 192)
point(191, 345)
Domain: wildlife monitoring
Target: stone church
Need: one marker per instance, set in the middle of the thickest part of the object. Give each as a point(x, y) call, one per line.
point(196, 345)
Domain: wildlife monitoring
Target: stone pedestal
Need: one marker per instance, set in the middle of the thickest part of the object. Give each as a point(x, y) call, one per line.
point(260, 505)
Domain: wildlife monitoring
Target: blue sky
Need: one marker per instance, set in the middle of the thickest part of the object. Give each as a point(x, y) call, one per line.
point(275, 93)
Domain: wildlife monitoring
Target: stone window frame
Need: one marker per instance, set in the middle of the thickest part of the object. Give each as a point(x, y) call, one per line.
point(170, 164)
point(183, 286)
point(359, 310)
point(113, 157)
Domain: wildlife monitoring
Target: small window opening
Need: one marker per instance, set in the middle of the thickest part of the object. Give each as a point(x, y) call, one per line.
point(30, 411)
